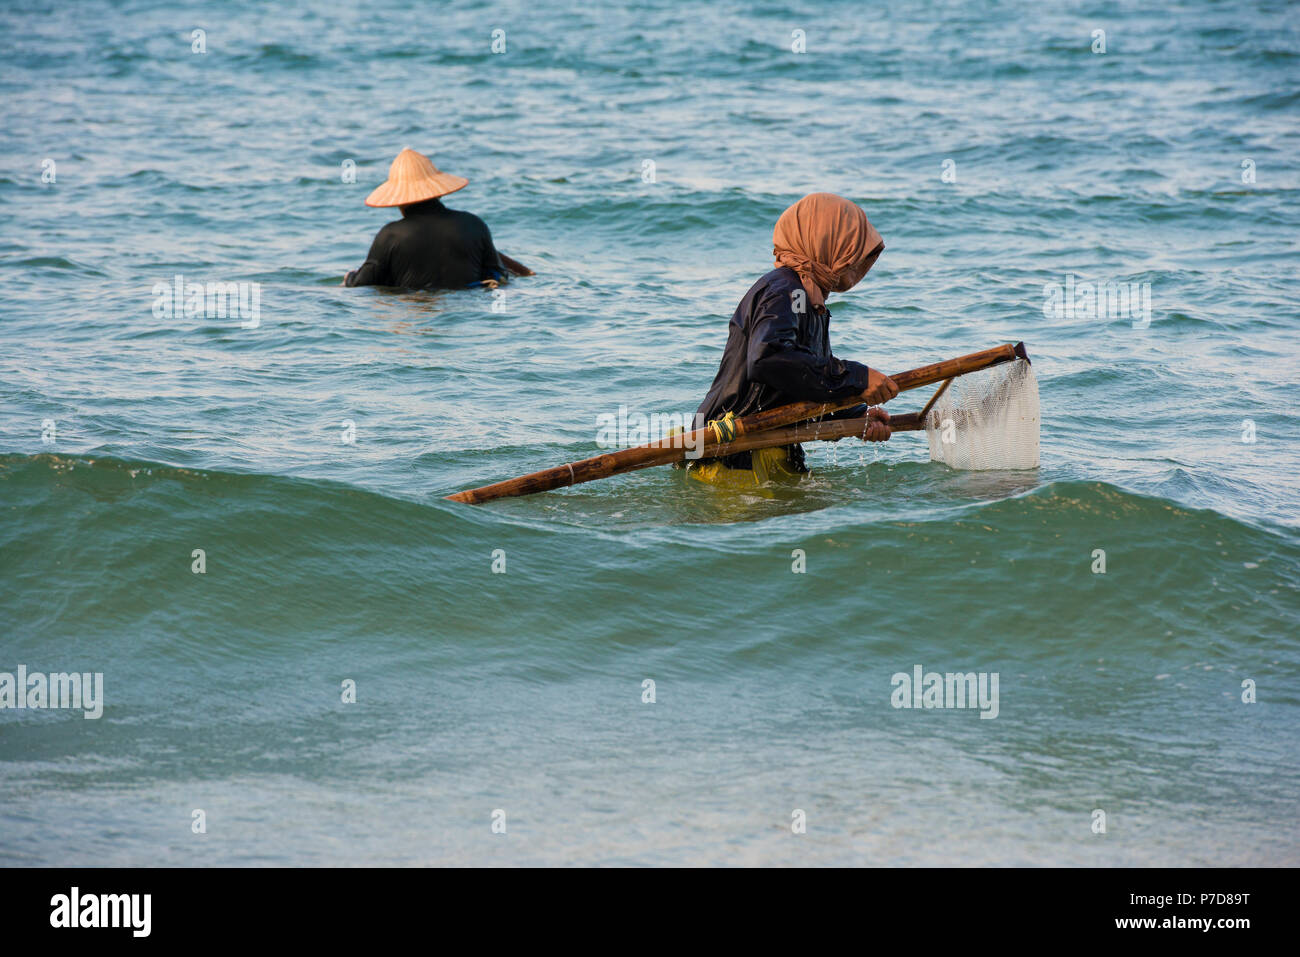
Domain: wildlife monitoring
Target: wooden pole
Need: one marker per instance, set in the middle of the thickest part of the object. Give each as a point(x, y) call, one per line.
point(935, 398)
point(514, 265)
point(674, 448)
point(828, 431)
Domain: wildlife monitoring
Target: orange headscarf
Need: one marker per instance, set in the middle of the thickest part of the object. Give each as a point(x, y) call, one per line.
point(828, 241)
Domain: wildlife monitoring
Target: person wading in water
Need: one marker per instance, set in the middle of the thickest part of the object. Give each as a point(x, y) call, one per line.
point(778, 343)
point(431, 246)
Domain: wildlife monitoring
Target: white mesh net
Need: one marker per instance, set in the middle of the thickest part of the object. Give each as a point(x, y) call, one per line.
point(987, 420)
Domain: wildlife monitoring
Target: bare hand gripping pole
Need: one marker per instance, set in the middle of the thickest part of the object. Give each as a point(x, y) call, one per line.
point(747, 433)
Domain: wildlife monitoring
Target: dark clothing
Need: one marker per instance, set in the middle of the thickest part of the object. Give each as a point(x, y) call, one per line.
point(775, 356)
point(431, 247)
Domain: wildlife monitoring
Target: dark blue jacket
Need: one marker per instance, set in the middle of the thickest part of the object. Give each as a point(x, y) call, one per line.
point(775, 356)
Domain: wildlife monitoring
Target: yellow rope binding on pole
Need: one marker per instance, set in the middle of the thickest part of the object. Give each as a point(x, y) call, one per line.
point(724, 429)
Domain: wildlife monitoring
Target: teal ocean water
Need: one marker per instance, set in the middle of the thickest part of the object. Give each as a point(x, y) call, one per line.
point(307, 456)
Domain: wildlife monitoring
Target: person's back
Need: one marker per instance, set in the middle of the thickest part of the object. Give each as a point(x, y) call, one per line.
point(431, 247)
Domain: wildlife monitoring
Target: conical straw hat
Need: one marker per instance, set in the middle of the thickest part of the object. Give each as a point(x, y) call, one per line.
point(412, 179)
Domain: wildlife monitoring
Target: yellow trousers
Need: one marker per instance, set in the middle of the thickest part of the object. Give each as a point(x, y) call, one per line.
point(767, 465)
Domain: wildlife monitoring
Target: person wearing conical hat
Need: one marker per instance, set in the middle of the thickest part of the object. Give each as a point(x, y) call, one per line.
point(431, 246)
point(778, 341)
